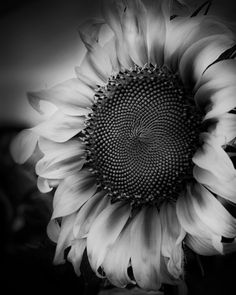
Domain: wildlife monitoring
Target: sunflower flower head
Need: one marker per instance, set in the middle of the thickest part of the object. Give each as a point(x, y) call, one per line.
point(140, 145)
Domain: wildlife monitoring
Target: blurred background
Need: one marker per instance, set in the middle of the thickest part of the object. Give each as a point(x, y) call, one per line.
point(40, 47)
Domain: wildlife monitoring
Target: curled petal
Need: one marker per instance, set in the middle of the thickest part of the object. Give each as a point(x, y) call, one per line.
point(43, 185)
point(72, 193)
point(117, 260)
point(225, 127)
point(23, 146)
point(76, 254)
point(65, 238)
point(220, 101)
point(172, 237)
point(202, 216)
point(146, 239)
point(202, 246)
point(105, 231)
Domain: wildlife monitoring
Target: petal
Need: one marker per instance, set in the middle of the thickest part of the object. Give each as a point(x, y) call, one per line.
point(203, 216)
point(220, 101)
point(72, 193)
point(134, 29)
point(227, 77)
point(172, 237)
point(200, 55)
point(225, 127)
point(43, 185)
point(96, 56)
point(202, 246)
point(65, 238)
point(23, 146)
point(212, 213)
point(146, 248)
point(223, 188)
point(112, 12)
point(72, 97)
point(182, 32)
point(177, 32)
point(110, 49)
point(88, 213)
point(188, 217)
point(155, 32)
point(117, 260)
point(96, 31)
point(104, 232)
point(60, 159)
point(53, 230)
point(60, 127)
point(76, 254)
point(213, 158)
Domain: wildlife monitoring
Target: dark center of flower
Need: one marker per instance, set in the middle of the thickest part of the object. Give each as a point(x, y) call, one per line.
point(142, 135)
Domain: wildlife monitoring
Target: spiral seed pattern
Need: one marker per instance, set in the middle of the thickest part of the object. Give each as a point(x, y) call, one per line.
point(142, 135)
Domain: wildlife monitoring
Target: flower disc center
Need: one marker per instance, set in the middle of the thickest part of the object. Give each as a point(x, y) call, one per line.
point(142, 135)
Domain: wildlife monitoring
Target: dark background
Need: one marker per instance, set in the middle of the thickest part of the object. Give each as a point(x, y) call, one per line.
point(39, 46)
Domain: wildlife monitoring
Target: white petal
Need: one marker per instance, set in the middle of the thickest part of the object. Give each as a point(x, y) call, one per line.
point(172, 237)
point(155, 33)
point(104, 232)
point(202, 246)
point(76, 254)
point(219, 101)
point(96, 57)
point(182, 32)
point(134, 29)
point(112, 13)
point(60, 159)
point(53, 230)
point(200, 55)
point(72, 193)
point(89, 74)
point(65, 238)
point(146, 248)
point(223, 188)
point(213, 158)
point(110, 49)
point(188, 217)
point(60, 127)
point(177, 32)
point(23, 146)
point(88, 213)
point(225, 127)
point(43, 185)
point(202, 216)
point(212, 213)
point(227, 76)
point(72, 97)
point(117, 260)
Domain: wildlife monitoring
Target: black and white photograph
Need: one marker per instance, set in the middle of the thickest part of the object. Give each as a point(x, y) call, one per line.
point(118, 147)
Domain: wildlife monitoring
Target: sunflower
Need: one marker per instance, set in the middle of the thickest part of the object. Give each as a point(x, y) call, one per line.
point(139, 146)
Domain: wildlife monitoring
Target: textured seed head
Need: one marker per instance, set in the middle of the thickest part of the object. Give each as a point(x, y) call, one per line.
point(142, 136)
